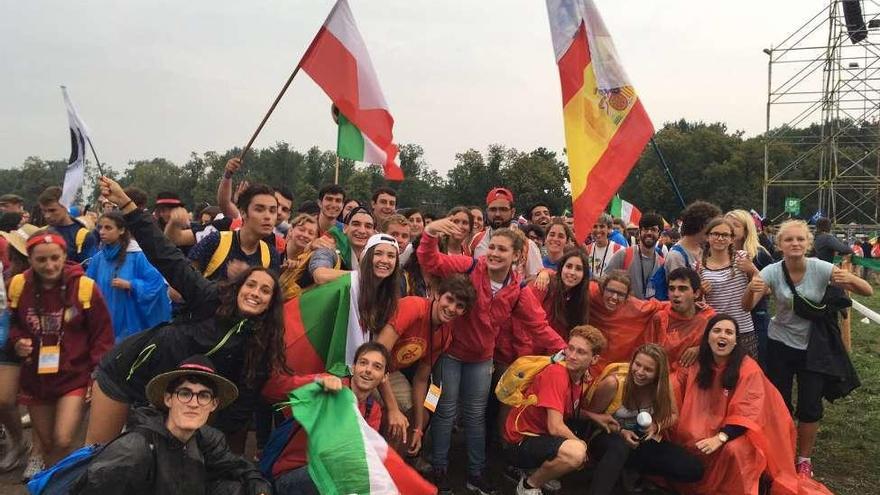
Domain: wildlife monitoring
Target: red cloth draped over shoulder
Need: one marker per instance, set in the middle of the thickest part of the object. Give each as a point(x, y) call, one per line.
point(626, 328)
point(677, 334)
point(767, 446)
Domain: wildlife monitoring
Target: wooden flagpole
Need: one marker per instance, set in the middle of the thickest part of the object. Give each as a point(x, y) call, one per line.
point(247, 147)
point(336, 174)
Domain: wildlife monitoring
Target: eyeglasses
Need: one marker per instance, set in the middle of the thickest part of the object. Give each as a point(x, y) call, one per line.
point(616, 293)
point(185, 396)
point(720, 235)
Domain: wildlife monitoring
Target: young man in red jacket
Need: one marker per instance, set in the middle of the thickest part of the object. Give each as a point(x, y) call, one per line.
point(679, 326)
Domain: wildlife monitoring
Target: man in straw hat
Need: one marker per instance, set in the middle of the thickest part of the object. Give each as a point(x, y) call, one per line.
point(168, 447)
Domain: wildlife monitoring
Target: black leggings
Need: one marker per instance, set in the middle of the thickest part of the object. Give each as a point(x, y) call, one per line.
point(662, 459)
point(784, 363)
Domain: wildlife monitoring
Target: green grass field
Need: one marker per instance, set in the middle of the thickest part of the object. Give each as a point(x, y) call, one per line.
point(847, 456)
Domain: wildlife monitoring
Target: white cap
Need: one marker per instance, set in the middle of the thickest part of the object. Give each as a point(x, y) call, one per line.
point(381, 239)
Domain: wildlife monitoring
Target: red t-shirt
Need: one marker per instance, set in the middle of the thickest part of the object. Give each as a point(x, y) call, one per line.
point(295, 454)
point(412, 322)
point(555, 391)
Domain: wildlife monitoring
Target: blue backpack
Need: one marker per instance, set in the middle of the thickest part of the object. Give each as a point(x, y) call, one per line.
point(61, 478)
point(275, 445)
point(658, 280)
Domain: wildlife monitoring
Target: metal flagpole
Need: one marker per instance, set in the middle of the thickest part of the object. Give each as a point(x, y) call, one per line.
point(668, 172)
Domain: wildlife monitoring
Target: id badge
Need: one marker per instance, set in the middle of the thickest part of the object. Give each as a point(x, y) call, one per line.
point(433, 397)
point(50, 355)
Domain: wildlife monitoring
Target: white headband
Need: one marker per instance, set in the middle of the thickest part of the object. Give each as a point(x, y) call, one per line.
point(381, 239)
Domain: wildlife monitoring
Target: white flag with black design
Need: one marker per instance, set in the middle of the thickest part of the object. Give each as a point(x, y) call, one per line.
point(79, 137)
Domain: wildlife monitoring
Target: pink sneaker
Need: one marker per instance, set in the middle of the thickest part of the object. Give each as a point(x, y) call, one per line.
point(805, 469)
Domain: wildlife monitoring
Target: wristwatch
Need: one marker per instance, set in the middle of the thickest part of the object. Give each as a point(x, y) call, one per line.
point(723, 437)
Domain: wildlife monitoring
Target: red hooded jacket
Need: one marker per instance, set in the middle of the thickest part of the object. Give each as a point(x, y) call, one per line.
point(84, 333)
point(474, 334)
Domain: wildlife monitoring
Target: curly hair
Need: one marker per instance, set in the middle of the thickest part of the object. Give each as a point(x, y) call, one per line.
point(695, 217)
point(266, 341)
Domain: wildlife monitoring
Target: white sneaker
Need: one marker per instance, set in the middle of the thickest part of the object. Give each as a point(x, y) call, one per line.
point(522, 490)
point(15, 455)
point(34, 466)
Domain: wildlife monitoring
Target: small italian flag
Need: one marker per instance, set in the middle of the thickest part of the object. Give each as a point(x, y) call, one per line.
point(346, 455)
point(338, 61)
point(625, 211)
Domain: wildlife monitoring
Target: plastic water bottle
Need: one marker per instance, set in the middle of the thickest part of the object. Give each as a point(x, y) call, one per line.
point(644, 421)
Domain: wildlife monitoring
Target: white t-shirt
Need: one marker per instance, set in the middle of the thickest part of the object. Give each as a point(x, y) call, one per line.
point(785, 326)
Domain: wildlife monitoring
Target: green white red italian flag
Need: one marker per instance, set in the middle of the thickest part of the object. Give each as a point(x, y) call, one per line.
point(322, 328)
point(338, 61)
point(625, 211)
point(346, 455)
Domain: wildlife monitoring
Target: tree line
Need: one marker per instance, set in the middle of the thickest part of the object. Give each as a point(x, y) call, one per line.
point(706, 159)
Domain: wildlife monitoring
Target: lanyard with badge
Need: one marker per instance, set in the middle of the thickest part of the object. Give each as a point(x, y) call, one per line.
point(647, 285)
point(50, 355)
point(434, 390)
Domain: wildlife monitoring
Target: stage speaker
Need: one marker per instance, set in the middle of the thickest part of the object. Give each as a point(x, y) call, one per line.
point(855, 22)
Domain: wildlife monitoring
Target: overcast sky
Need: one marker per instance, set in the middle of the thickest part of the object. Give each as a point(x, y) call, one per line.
point(164, 78)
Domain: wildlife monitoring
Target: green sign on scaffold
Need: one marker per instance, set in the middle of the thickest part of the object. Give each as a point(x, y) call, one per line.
point(793, 206)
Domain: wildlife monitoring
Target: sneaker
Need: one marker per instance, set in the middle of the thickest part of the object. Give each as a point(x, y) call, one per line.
point(805, 469)
point(441, 481)
point(34, 466)
point(480, 485)
point(14, 456)
point(522, 490)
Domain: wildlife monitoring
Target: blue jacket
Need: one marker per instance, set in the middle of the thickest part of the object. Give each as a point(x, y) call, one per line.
point(145, 305)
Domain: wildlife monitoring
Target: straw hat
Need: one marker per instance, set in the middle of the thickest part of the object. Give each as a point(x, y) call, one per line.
point(199, 365)
point(18, 238)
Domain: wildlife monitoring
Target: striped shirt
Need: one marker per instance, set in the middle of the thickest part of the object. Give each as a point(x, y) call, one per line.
point(726, 294)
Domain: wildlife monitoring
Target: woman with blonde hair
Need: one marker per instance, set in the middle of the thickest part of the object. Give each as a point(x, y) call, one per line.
point(633, 393)
point(745, 238)
point(804, 339)
point(303, 230)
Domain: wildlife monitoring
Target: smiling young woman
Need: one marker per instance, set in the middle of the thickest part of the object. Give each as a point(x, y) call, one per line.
point(238, 324)
point(725, 272)
point(627, 392)
point(466, 367)
point(799, 283)
point(59, 328)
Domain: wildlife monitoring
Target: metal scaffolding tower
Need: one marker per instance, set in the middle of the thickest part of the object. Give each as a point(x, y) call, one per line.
point(822, 141)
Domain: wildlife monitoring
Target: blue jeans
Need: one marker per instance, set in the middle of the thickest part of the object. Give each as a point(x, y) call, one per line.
point(467, 384)
point(296, 482)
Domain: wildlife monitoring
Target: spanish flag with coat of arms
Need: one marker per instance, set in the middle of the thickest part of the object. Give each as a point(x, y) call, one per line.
point(606, 127)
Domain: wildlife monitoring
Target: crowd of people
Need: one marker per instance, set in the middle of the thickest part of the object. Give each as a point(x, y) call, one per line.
point(168, 335)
